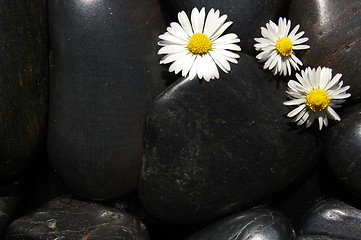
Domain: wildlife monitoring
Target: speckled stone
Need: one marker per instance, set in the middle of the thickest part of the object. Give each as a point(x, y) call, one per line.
point(317, 237)
point(104, 75)
point(342, 149)
point(332, 218)
point(333, 29)
point(72, 219)
point(23, 82)
point(251, 224)
point(247, 15)
point(212, 148)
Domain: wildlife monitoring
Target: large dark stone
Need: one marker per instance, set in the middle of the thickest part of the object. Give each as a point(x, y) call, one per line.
point(71, 219)
point(333, 29)
point(318, 237)
point(247, 15)
point(342, 149)
point(23, 82)
point(332, 218)
point(251, 224)
point(104, 75)
point(211, 148)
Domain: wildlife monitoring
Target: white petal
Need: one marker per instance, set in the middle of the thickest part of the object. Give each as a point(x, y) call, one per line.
point(184, 21)
point(299, 41)
point(172, 57)
point(173, 39)
point(221, 30)
point(294, 102)
point(233, 47)
point(294, 31)
point(227, 38)
point(297, 110)
point(221, 61)
point(171, 49)
point(334, 81)
point(188, 64)
point(300, 47)
point(197, 19)
point(332, 114)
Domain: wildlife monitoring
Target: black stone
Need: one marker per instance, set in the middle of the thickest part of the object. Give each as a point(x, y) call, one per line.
point(332, 218)
point(211, 148)
point(23, 82)
point(248, 16)
point(333, 29)
point(104, 75)
point(251, 224)
point(7, 209)
point(342, 149)
point(72, 219)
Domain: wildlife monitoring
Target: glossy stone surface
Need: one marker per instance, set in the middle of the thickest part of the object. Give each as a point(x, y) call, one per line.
point(333, 29)
point(332, 218)
point(342, 149)
point(72, 219)
point(249, 225)
point(247, 15)
point(318, 237)
point(23, 82)
point(211, 148)
point(104, 75)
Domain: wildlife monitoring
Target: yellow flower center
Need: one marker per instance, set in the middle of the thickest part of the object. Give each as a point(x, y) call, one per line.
point(317, 100)
point(199, 43)
point(284, 46)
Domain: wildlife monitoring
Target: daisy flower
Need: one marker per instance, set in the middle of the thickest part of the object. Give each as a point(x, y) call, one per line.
point(278, 45)
point(316, 94)
point(196, 47)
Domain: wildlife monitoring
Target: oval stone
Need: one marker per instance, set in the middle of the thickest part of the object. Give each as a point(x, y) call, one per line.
point(333, 29)
point(332, 218)
point(23, 83)
point(211, 148)
point(342, 149)
point(247, 15)
point(104, 75)
point(67, 218)
point(251, 224)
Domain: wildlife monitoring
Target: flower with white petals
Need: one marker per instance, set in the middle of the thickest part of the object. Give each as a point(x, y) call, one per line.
point(196, 47)
point(316, 94)
point(278, 45)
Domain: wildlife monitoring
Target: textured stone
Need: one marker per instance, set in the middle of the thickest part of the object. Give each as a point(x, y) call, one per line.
point(251, 224)
point(211, 148)
point(23, 82)
point(71, 219)
point(247, 15)
point(318, 237)
point(333, 29)
point(104, 75)
point(332, 218)
point(342, 149)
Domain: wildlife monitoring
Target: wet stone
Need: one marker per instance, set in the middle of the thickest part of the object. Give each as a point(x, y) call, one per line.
point(331, 218)
point(247, 15)
point(251, 224)
point(333, 29)
point(72, 219)
point(342, 149)
point(211, 148)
